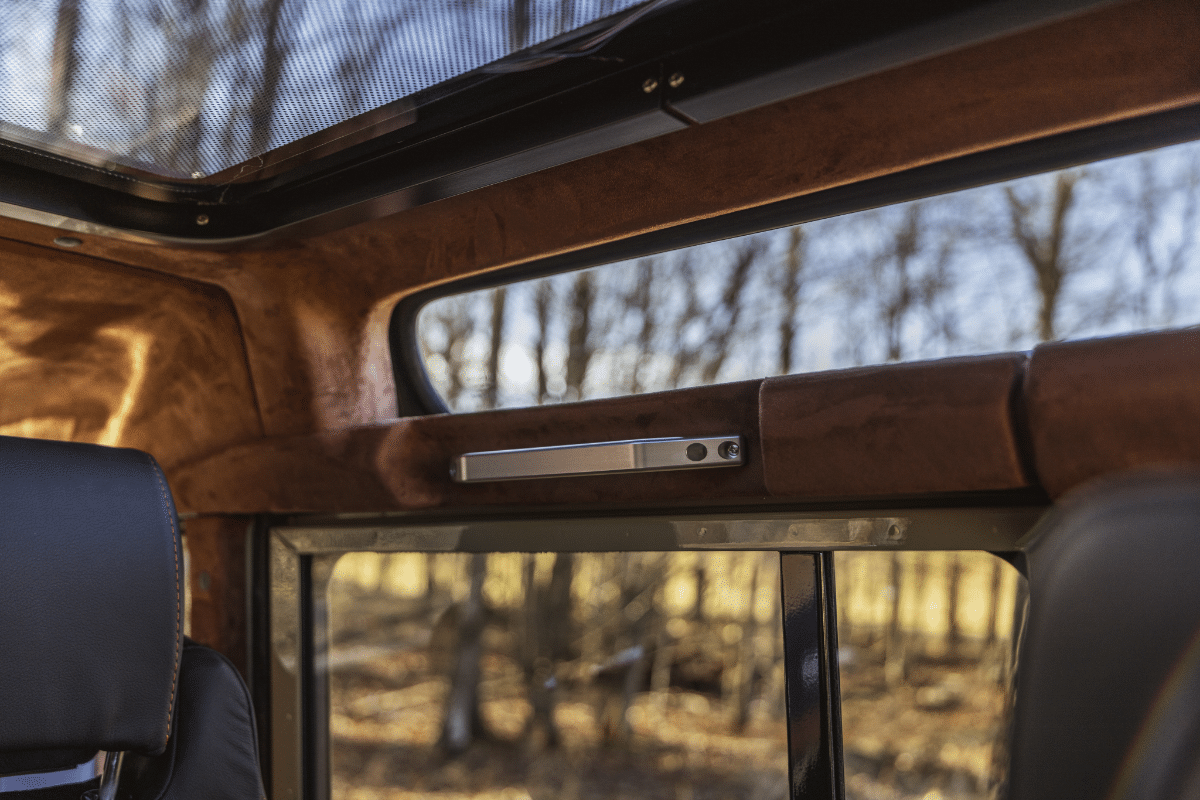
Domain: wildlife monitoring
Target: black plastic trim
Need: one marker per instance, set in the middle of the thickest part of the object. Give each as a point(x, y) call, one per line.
point(814, 699)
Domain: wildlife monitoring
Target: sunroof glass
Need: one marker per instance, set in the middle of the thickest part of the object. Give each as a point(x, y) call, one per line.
point(190, 89)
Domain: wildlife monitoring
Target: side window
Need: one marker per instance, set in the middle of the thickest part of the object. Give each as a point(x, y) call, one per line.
point(1106, 248)
point(656, 675)
point(586, 675)
point(927, 657)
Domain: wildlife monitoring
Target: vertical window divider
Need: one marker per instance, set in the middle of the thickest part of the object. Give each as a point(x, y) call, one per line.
point(813, 691)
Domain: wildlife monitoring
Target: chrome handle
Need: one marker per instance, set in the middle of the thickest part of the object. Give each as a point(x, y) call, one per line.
point(598, 458)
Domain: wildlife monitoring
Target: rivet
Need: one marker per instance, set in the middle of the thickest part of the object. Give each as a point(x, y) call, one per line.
point(202, 219)
point(68, 241)
point(676, 80)
point(649, 85)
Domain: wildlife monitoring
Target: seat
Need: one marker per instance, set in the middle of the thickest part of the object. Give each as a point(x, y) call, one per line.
point(92, 652)
point(1108, 697)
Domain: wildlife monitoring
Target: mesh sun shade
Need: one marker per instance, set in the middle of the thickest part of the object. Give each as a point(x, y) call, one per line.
point(190, 88)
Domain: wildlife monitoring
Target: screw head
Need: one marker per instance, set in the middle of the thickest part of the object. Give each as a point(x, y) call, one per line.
point(729, 450)
point(649, 85)
point(202, 219)
point(676, 80)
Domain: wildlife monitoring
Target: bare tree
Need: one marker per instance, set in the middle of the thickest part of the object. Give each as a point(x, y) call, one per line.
point(453, 319)
point(543, 300)
point(491, 390)
point(462, 721)
point(641, 300)
point(1044, 242)
point(63, 68)
point(902, 282)
point(1162, 262)
point(953, 585)
point(724, 320)
point(698, 359)
point(522, 23)
point(266, 96)
point(895, 666)
point(683, 274)
point(580, 347)
point(790, 286)
point(547, 643)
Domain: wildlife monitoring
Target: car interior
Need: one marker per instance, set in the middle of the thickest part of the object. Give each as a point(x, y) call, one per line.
point(522, 399)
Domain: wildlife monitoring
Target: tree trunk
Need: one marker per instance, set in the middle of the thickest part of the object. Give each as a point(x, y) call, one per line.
point(579, 344)
point(953, 633)
point(895, 668)
point(462, 723)
point(491, 392)
point(63, 68)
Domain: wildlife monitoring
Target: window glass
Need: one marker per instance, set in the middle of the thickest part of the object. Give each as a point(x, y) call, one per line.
point(189, 91)
point(654, 675)
point(1107, 248)
point(637, 675)
point(927, 658)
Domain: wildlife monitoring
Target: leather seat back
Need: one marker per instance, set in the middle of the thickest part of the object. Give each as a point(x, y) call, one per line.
point(1110, 668)
point(91, 635)
point(91, 604)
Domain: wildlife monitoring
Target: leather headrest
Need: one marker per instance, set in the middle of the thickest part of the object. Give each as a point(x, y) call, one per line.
point(91, 603)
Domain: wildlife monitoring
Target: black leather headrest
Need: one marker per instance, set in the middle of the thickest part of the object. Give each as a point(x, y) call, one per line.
point(1108, 681)
point(91, 603)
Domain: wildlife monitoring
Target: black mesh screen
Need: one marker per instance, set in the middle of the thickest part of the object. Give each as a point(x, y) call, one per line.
point(193, 87)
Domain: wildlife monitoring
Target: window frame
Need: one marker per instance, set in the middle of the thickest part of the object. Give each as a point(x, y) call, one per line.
point(297, 743)
point(416, 395)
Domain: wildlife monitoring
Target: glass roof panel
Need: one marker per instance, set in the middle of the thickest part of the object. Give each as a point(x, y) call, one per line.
point(192, 88)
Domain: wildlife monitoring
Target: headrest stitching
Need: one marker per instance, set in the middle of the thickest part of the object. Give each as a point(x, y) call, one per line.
point(166, 497)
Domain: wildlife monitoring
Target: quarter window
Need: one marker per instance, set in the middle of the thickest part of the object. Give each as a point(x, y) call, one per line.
point(1102, 249)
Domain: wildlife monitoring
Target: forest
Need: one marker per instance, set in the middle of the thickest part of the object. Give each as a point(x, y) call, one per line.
point(656, 675)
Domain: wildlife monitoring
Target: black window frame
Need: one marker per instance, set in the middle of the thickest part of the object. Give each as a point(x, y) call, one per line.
point(487, 128)
point(290, 620)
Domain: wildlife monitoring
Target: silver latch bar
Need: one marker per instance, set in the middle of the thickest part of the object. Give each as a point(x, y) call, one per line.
point(599, 458)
